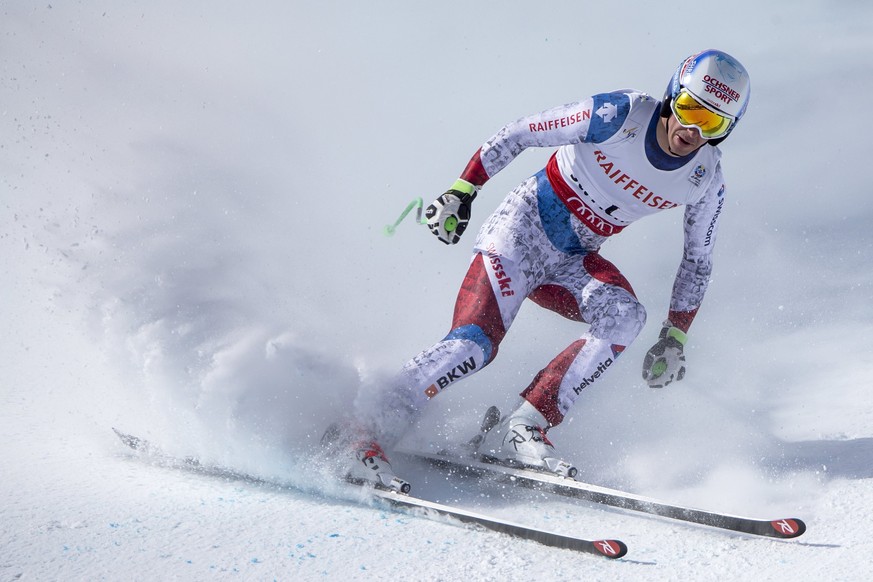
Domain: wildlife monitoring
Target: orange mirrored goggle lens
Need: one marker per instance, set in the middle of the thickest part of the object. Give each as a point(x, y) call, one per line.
point(690, 112)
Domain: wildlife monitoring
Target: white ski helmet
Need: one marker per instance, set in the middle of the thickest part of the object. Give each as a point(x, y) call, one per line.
point(718, 82)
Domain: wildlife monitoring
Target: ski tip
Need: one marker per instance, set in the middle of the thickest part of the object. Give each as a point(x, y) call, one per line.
point(612, 549)
point(125, 438)
point(128, 439)
point(788, 528)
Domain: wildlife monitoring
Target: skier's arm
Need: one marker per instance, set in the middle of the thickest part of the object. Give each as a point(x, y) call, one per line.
point(695, 269)
point(449, 214)
point(665, 361)
point(563, 125)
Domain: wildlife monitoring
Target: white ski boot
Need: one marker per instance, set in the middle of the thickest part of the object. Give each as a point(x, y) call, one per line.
point(520, 440)
point(360, 458)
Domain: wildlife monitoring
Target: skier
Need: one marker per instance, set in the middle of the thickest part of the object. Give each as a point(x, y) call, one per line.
point(620, 156)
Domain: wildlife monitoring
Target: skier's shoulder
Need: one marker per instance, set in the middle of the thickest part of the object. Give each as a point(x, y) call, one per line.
point(628, 99)
point(611, 111)
point(708, 177)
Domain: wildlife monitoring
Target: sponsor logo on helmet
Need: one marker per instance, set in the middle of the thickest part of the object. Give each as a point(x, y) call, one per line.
point(689, 64)
point(720, 90)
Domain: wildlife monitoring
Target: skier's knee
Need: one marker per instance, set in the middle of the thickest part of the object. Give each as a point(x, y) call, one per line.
point(620, 319)
point(634, 319)
point(477, 335)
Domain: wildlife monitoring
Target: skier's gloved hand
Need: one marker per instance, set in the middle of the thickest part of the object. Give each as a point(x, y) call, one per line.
point(665, 362)
point(449, 214)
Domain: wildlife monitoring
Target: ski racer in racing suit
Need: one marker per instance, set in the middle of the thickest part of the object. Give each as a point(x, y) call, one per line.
point(620, 157)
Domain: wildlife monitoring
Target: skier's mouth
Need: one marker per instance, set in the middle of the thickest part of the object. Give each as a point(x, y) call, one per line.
point(687, 140)
point(683, 140)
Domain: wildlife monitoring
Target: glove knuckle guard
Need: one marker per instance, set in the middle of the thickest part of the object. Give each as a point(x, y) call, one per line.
point(664, 362)
point(447, 217)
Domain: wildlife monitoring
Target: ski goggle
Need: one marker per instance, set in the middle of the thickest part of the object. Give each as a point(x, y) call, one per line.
point(692, 113)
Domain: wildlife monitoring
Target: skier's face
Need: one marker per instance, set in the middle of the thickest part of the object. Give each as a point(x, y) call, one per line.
point(678, 140)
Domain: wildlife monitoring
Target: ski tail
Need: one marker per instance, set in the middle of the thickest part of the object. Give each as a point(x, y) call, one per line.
point(608, 548)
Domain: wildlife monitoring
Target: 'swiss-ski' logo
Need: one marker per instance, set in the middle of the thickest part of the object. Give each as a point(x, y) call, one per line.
point(503, 279)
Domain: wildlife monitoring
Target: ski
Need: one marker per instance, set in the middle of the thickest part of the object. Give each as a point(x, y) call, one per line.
point(606, 548)
point(775, 528)
point(402, 502)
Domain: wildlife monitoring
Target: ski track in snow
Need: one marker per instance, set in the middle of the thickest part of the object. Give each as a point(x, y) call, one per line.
point(190, 244)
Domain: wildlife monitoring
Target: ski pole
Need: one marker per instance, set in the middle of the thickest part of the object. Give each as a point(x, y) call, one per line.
point(417, 204)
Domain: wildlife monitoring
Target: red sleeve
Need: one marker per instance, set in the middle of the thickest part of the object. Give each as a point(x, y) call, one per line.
point(682, 319)
point(475, 172)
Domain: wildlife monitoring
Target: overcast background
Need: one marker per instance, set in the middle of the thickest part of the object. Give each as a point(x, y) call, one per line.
point(193, 198)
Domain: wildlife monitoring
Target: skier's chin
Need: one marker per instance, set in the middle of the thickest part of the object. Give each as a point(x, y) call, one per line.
point(681, 146)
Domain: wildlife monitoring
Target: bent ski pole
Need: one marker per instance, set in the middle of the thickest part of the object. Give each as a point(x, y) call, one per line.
point(417, 204)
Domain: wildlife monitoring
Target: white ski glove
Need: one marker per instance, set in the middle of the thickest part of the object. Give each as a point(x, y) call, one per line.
point(449, 214)
point(665, 361)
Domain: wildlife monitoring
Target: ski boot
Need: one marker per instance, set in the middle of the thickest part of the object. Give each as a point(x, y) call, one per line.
point(362, 460)
point(519, 440)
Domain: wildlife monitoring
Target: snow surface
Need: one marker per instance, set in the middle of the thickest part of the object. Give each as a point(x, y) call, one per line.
point(193, 196)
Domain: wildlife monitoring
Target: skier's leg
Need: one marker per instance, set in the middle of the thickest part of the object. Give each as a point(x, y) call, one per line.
point(606, 301)
point(392, 405)
point(596, 294)
point(489, 299)
point(483, 313)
